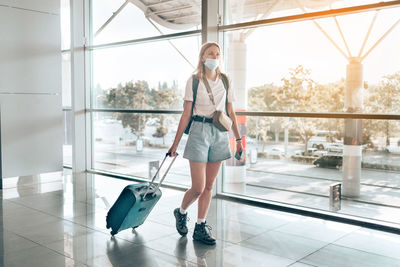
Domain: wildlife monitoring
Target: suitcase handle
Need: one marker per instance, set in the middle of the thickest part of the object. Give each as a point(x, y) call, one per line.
point(155, 175)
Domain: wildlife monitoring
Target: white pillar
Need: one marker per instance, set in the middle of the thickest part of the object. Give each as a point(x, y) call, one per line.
point(352, 153)
point(79, 94)
point(236, 67)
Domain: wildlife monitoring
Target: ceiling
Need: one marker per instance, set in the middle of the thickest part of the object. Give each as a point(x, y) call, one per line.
point(185, 14)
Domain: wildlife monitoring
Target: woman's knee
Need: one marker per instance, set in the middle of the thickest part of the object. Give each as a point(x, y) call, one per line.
point(208, 188)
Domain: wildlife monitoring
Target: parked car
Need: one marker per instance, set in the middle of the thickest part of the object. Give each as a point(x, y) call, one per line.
point(329, 161)
point(299, 152)
point(276, 151)
point(322, 139)
point(310, 152)
point(393, 149)
point(335, 147)
point(320, 153)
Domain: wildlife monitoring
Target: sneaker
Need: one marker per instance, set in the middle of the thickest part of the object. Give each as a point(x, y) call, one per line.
point(202, 233)
point(181, 222)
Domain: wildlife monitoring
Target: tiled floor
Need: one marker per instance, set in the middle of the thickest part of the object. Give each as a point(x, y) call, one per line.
point(59, 220)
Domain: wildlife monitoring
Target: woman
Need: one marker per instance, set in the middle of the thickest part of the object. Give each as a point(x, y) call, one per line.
point(207, 146)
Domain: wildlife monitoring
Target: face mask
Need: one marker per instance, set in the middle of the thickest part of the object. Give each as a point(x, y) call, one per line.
point(212, 64)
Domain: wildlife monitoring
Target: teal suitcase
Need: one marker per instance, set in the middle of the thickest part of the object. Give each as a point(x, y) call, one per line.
point(135, 203)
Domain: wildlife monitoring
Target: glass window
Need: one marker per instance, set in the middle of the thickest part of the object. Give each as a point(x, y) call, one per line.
point(114, 21)
point(142, 76)
point(289, 67)
point(65, 25)
point(238, 11)
point(294, 67)
point(133, 144)
point(151, 68)
point(66, 79)
point(67, 145)
point(286, 163)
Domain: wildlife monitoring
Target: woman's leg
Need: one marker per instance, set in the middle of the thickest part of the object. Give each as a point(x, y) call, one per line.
point(198, 174)
point(212, 169)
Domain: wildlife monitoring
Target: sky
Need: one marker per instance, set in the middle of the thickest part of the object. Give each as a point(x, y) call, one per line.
point(287, 45)
point(271, 50)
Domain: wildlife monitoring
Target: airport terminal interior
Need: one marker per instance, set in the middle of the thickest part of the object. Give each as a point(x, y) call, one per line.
point(91, 95)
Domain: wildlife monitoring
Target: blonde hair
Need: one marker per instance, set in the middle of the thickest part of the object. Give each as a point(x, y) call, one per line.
point(200, 70)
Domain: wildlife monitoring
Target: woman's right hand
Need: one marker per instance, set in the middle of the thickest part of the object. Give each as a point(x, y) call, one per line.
point(172, 150)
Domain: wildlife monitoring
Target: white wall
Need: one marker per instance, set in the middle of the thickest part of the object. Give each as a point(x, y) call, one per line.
point(30, 87)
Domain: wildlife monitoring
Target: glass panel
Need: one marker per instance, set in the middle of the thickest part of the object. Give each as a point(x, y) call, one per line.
point(66, 79)
point(67, 146)
point(237, 11)
point(294, 67)
point(152, 69)
point(127, 143)
point(65, 25)
point(131, 22)
point(296, 160)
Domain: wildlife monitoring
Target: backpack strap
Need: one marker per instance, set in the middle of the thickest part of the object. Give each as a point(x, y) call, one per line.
point(225, 81)
point(195, 85)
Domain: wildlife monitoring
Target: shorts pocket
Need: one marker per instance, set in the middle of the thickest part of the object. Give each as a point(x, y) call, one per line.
point(193, 127)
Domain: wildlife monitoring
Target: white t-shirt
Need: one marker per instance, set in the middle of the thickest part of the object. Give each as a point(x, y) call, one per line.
point(204, 106)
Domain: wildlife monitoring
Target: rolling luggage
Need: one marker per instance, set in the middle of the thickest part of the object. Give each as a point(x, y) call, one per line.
point(135, 203)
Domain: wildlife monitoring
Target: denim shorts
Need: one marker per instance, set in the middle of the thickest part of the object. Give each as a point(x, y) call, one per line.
point(206, 143)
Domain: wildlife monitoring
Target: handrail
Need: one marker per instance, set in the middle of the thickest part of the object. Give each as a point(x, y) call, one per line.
point(336, 115)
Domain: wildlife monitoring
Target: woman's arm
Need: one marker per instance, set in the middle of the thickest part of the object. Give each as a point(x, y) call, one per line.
point(183, 122)
point(235, 127)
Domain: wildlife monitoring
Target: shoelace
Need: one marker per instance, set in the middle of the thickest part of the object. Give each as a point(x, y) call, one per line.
point(209, 229)
point(185, 219)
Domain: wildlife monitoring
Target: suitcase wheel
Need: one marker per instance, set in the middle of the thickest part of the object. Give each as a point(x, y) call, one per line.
point(113, 232)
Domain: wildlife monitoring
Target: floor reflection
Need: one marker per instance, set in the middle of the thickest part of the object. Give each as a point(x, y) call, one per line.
point(59, 220)
point(202, 251)
point(180, 250)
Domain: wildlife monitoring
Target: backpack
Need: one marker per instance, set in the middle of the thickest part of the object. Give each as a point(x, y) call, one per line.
point(195, 86)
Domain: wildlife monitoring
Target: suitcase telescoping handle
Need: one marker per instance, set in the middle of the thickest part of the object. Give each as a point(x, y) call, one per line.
point(155, 175)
